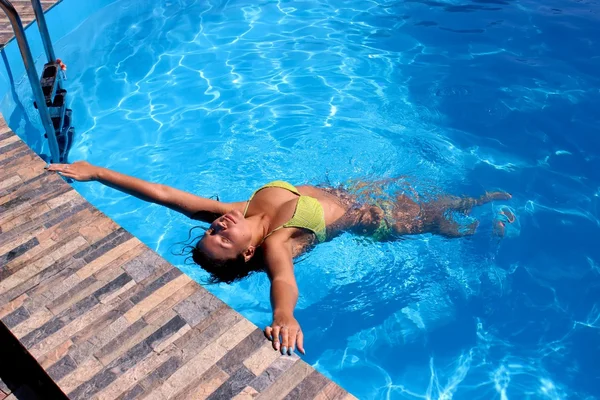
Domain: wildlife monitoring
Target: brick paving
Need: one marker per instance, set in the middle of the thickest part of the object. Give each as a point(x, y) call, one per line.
point(25, 11)
point(4, 390)
point(105, 316)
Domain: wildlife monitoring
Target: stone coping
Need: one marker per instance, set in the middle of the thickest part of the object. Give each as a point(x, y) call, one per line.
point(106, 317)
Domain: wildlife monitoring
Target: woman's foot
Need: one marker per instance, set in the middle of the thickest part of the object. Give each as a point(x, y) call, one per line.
point(510, 217)
point(505, 217)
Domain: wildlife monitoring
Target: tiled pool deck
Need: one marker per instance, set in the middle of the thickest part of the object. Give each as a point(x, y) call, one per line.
point(105, 316)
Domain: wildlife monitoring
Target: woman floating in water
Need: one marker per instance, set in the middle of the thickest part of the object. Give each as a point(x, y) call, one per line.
point(280, 221)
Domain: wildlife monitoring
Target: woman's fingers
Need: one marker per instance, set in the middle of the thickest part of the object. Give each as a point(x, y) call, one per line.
point(292, 341)
point(58, 167)
point(300, 342)
point(269, 333)
point(284, 339)
point(65, 170)
point(68, 174)
point(79, 170)
point(276, 330)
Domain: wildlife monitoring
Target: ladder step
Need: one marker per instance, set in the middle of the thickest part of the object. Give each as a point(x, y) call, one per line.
point(51, 81)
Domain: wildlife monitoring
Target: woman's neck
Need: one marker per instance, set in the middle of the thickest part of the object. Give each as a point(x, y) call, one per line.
point(260, 225)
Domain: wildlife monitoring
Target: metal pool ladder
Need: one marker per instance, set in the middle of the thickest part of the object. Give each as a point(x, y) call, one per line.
point(48, 91)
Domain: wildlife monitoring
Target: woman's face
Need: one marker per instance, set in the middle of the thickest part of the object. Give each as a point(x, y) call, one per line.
point(227, 237)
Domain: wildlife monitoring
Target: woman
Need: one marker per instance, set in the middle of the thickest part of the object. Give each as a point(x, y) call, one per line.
point(281, 221)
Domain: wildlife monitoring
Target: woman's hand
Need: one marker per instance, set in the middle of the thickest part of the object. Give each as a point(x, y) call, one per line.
point(80, 171)
point(288, 328)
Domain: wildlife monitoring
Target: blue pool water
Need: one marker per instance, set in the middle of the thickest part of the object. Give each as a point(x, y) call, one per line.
point(219, 97)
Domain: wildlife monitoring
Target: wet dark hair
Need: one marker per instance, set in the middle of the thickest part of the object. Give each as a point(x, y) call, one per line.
point(221, 271)
point(227, 271)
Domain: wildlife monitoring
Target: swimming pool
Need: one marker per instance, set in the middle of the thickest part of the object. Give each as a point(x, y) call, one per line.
point(219, 97)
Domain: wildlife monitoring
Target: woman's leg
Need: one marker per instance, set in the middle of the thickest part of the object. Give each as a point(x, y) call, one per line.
point(436, 216)
point(408, 216)
point(466, 204)
point(452, 229)
point(377, 187)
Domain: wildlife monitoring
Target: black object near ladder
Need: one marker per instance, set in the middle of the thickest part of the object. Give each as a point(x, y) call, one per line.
point(55, 96)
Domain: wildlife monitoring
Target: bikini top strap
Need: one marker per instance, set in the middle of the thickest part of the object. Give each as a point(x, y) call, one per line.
point(247, 205)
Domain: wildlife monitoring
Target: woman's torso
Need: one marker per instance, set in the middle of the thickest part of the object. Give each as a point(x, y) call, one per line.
point(342, 211)
point(278, 205)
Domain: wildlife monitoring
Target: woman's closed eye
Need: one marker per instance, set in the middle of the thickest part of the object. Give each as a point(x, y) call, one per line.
point(212, 232)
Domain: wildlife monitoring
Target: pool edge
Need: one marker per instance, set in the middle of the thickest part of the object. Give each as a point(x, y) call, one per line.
point(104, 315)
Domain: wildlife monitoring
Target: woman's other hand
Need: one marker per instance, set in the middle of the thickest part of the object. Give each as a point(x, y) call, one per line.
point(285, 333)
point(80, 171)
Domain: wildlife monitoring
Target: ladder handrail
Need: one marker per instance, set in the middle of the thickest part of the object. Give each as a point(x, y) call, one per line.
point(41, 20)
point(17, 26)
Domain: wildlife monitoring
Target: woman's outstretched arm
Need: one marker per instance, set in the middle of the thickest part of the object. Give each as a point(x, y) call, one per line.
point(186, 203)
point(284, 331)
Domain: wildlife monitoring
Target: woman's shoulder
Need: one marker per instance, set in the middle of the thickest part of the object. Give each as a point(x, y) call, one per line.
point(296, 241)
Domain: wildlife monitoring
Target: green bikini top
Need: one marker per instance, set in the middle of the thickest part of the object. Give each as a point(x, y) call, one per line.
point(307, 215)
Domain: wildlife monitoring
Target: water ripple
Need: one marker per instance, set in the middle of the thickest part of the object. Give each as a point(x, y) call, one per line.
point(461, 96)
